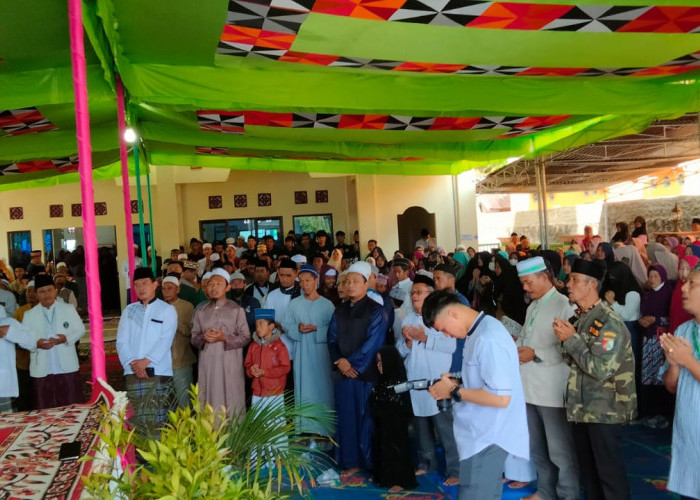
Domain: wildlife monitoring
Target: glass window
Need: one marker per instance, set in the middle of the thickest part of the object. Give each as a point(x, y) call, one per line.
point(20, 245)
point(272, 226)
point(240, 227)
point(312, 223)
point(219, 230)
point(69, 238)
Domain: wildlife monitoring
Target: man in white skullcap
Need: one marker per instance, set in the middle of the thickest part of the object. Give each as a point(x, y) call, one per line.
point(183, 357)
point(204, 264)
point(299, 260)
point(356, 332)
point(220, 331)
point(545, 374)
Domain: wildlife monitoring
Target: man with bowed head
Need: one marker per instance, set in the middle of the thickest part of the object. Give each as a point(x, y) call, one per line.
point(220, 332)
point(681, 375)
point(356, 332)
point(489, 406)
point(601, 394)
point(54, 365)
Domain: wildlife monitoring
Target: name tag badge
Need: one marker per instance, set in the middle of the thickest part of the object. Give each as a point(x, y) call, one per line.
point(159, 321)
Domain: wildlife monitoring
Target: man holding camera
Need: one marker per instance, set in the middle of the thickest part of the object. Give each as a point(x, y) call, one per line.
point(489, 415)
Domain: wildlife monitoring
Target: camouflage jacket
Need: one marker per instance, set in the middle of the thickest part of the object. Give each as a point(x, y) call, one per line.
point(601, 385)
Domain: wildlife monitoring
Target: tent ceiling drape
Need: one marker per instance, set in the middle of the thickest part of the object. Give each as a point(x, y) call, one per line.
point(345, 86)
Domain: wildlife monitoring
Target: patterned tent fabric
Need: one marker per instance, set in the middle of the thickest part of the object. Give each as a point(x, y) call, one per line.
point(411, 87)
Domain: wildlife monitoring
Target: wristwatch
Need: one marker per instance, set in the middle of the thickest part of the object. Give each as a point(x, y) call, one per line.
point(455, 395)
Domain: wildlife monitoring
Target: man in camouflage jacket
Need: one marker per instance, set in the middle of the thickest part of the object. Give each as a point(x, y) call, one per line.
point(601, 395)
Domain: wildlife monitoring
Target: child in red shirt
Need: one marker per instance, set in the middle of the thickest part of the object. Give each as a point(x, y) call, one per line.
point(267, 361)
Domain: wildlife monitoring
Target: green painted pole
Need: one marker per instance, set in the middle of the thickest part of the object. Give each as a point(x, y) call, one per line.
point(142, 233)
point(150, 222)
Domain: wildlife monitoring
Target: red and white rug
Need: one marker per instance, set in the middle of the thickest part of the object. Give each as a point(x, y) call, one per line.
point(29, 447)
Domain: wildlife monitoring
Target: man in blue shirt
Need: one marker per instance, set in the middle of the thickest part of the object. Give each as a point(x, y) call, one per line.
point(489, 411)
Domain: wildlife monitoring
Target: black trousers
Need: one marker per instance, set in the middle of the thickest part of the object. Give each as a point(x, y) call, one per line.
point(25, 400)
point(601, 465)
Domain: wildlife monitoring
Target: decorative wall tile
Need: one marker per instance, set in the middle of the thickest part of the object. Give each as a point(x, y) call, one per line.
point(134, 206)
point(240, 200)
point(301, 197)
point(76, 210)
point(264, 199)
point(55, 210)
point(215, 202)
point(16, 213)
point(322, 196)
point(100, 208)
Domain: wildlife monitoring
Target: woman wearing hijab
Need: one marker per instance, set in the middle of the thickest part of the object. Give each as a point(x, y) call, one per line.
point(605, 252)
point(327, 284)
point(672, 242)
point(480, 287)
point(462, 257)
point(630, 256)
point(678, 315)
point(624, 295)
point(622, 234)
point(640, 229)
point(593, 244)
point(336, 259)
point(659, 254)
point(464, 284)
point(508, 290)
point(393, 465)
point(679, 251)
point(382, 264)
point(569, 258)
point(655, 306)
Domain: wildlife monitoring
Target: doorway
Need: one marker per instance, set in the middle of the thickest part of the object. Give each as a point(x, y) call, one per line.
point(410, 223)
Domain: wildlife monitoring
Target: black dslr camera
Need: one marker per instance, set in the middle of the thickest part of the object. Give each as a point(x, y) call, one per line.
point(424, 385)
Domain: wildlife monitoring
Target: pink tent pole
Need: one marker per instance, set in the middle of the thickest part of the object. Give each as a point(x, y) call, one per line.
point(124, 156)
point(82, 125)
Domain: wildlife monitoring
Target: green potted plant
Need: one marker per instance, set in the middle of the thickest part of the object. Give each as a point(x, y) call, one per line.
point(201, 454)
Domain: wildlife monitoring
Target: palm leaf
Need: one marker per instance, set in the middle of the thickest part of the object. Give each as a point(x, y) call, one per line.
point(267, 435)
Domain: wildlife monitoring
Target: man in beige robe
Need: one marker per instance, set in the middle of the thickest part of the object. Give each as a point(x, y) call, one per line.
point(220, 332)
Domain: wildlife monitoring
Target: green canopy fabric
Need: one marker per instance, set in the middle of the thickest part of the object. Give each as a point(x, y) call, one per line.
point(410, 87)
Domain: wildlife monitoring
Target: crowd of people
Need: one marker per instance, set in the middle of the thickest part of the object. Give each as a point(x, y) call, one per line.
point(533, 359)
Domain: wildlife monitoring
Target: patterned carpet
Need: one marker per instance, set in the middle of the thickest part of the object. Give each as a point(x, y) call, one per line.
point(29, 446)
point(647, 456)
